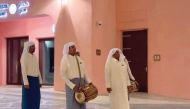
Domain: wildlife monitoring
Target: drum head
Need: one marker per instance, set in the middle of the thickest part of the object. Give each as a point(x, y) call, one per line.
point(80, 97)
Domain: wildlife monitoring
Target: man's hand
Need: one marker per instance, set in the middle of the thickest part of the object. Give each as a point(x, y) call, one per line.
point(109, 90)
point(137, 83)
point(27, 86)
point(90, 83)
point(76, 88)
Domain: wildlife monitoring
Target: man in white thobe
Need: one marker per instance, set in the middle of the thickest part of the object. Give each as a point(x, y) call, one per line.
point(73, 72)
point(117, 80)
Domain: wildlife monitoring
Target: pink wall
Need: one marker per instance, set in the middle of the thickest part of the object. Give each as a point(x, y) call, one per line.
point(5, 27)
point(37, 8)
point(74, 24)
point(77, 22)
point(34, 28)
point(1, 59)
point(168, 35)
point(103, 38)
point(80, 26)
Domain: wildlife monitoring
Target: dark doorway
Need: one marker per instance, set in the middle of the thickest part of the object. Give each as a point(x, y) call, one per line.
point(135, 50)
point(14, 51)
point(46, 54)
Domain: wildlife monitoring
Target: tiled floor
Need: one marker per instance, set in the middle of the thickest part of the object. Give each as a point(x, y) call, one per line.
point(10, 98)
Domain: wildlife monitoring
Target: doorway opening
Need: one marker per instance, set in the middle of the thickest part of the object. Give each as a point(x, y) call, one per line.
point(14, 51)
point(46, 58)
point(135, 50)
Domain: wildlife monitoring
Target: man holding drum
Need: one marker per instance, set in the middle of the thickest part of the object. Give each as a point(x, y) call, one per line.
point(74, 74)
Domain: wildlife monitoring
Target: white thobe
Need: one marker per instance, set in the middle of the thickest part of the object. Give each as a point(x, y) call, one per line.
point(70, 70)
point(117, 78)
point(30, 67)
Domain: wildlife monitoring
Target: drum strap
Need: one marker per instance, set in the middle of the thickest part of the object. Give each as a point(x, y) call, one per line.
point(79, 70)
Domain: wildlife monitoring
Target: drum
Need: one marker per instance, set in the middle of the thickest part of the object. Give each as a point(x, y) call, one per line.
point(87, 93)
point(134, 87)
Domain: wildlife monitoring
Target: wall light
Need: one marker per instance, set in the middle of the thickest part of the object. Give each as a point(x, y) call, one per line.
point(64, 2)
point(12, 9)
point(53, 28)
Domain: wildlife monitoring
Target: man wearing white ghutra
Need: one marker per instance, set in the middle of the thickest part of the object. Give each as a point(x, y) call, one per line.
point(70, 74)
